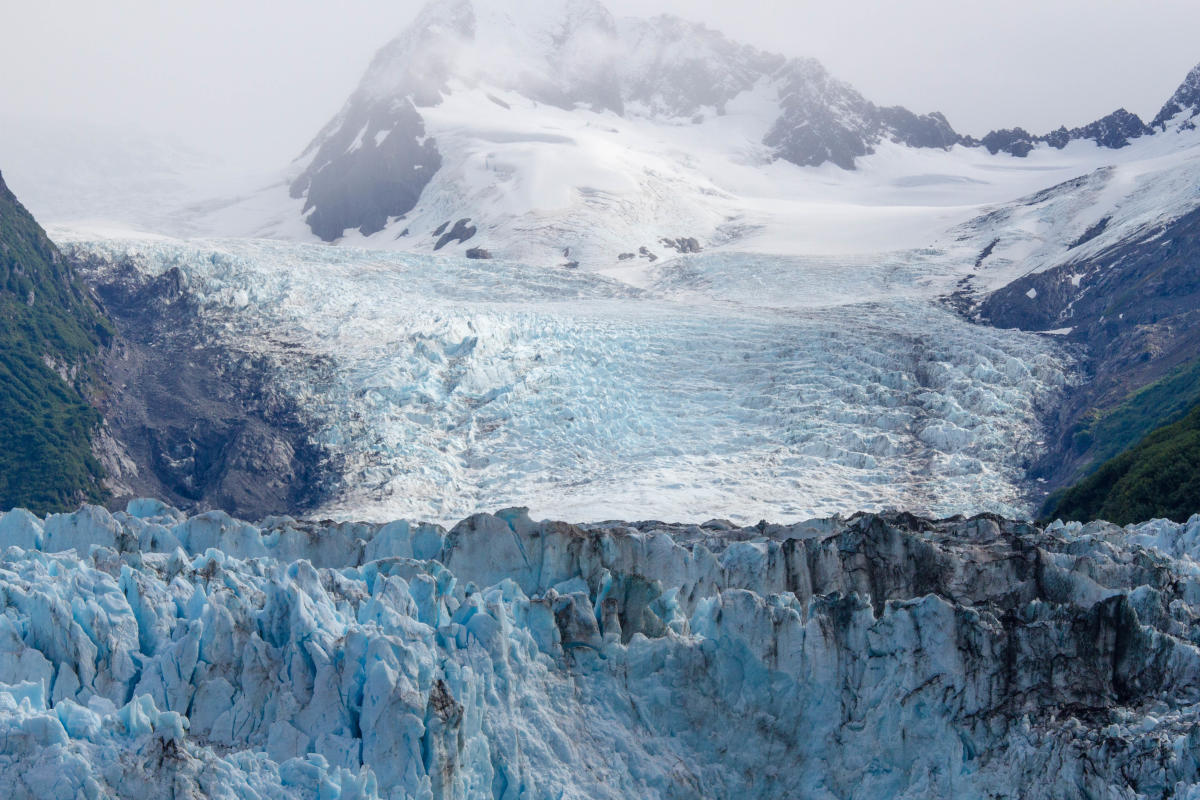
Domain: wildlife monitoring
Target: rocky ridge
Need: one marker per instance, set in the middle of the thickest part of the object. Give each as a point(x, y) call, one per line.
point(1132, 309)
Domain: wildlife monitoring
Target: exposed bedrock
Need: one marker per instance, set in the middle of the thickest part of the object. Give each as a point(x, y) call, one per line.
point(1131, 310)
point(369, 165)
point(203, 424)
point(883, 656)
point(461, 232)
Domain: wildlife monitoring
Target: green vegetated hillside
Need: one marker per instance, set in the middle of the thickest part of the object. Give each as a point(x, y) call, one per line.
point(1157, 477)
point(1146, 410)
point(48, 326)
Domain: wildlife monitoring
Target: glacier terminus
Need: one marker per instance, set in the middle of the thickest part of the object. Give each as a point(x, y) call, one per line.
point(152, 654)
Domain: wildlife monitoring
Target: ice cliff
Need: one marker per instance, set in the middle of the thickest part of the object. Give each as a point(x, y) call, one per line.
point(148, 654)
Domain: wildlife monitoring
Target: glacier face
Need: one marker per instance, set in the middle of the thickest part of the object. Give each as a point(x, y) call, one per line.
point(149, 654)
point(737, 386)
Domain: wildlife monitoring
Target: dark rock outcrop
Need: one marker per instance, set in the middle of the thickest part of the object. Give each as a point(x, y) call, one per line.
point(1091, 233)
point(1185, 101)
point(917, 130)
point(823, 119)
point(204, 426)
point(684, 244)
point(1014, 141)
point(680, 81)
point(367, 167)
point(461, 232)
point(1113, 131)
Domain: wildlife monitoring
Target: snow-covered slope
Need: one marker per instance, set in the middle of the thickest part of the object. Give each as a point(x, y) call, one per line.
point(1144, 187)
point(1181, 110)
point(148, 655)
point(554, 134)
point(548, 186)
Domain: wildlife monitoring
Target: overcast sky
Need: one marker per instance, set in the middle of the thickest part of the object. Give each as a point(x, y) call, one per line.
point(261, 76)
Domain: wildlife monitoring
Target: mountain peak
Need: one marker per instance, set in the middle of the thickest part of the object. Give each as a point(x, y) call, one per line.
point(1185, 100)
point(369, 167)
point(673, 67)
point(552, 51)
point(826, 119)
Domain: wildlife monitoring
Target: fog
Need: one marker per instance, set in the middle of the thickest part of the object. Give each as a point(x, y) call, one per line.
point(256, 80)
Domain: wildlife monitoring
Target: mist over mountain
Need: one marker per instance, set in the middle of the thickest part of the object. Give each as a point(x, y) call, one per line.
point(373, 161)
point(522, 125)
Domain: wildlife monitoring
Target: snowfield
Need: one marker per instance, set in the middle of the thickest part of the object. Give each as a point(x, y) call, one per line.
point(546, 186)
point(538, 180)
point(727, 386)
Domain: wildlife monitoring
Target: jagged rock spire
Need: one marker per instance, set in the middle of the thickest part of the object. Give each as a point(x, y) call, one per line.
point(1185, 100)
